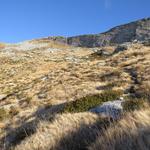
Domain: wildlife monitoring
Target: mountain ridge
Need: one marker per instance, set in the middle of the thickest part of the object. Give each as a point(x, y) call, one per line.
point(137, 30)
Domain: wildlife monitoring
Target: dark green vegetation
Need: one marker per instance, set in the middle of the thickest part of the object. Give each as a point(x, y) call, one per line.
point(90, 101)
point(133, 104)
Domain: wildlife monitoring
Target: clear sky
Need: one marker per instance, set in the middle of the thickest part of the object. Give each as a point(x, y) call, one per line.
point(28, 19)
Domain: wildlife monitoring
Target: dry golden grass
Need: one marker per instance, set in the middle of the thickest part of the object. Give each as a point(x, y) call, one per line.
point(80, 130)
point(51, 43)
point(54, 74)
point(50, 135)
point(2, 45)
point(132, 132)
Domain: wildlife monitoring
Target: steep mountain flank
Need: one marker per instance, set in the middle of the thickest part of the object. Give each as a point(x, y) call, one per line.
point(138, 30)
point(54, 96)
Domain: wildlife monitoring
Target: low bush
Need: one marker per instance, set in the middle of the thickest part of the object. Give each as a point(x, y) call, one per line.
point(133, 104)
point(90, 101)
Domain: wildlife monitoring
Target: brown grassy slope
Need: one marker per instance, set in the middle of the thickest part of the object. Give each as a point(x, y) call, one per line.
point(66, 132)
point(132, 132)
point(78, 131)
point(39, 77)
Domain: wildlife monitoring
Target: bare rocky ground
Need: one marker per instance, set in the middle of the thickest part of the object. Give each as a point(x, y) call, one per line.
point(38, 74)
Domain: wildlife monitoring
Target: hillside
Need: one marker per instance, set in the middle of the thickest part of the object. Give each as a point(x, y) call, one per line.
point(49, 91)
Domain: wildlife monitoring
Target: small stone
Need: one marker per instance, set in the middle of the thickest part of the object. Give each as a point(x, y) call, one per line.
point(121, 48)
point(3, 96)
point(102, 52)
point(42, 96)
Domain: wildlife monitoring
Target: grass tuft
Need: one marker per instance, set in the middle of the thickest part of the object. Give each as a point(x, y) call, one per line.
point(3, 114)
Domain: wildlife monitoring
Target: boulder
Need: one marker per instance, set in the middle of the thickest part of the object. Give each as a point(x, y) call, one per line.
point(121, 48)
point(146, 42)
point(42, 96)
point(112, 109)
point(102, 52)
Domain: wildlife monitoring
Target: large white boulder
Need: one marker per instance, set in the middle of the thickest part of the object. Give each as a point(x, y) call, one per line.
point(112, 109)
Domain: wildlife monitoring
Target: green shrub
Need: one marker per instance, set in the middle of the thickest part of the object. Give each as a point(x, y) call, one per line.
point(90, 101)
point(133, 104)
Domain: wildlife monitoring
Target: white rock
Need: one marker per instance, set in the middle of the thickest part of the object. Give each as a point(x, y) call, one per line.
point(111, 109)
point(2, 96)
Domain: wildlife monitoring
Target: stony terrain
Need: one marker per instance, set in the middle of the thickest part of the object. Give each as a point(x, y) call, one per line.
point(55, 96)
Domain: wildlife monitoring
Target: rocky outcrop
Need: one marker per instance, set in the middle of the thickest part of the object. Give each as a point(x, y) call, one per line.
point(121, 47)
point(60, 39)
point(138, 30)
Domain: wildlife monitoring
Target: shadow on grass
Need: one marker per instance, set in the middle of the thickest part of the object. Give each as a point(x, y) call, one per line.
point(83, 137)
point(15, 136)
point(124, 141)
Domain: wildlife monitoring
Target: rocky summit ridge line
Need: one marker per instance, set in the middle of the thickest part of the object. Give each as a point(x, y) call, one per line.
point(135, 31)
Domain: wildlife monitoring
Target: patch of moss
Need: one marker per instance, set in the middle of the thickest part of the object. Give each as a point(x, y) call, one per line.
point(90, 101)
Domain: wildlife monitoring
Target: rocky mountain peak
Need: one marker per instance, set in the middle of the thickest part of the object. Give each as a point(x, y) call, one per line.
point(135, 31)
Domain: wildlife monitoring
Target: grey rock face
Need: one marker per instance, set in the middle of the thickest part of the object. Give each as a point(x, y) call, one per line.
point(146, 42)
point(59, 39)
point(134, 31)
point(121, 48)
point(138, 30)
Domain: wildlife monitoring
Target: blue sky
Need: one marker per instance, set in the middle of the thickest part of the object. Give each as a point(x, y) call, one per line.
point(28, 19)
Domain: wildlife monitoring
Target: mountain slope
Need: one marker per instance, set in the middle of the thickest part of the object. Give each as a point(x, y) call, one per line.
point(43, 81)
point(137, 30)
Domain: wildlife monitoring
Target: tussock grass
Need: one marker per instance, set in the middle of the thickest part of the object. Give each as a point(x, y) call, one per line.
point(132, 132)
point(82, 130)
point(64, 133)
point(144, 91)
point(3, 114)
point(27, 72)
point(13, 111)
